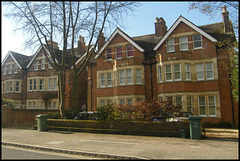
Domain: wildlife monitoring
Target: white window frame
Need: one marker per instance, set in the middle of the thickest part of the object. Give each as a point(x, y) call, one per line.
point(109, 49)
point(200, 71)
point(5, 69)
point(102, 102)
point(43, 62)
point(183, 42)
point(129, 101)
point(54, 84)
point(49, 65)
point(29, 105)
point(170, 44)
point(160, 74)
point(15, 68)
point(34, 84)
point(212, 71)
point(139, 76)
point(131, 50)
point(36, 65)
point(181, 103)
point(119, 52)
point(109, 80)
point(199, 106)
point(129, 76)
point(187, 72)
point(168, 80)
point(10, 69)
point(17, 86)
point(30, 85)
point(54, 105)
point(10, 86)
point(175, 72)
point(190, 106)
point(102, 80)
point(214, 104)
point(50, 84)
point(196, 41)
point(7, 86)
point(122, 77)
point(122, 101)
point(41, 84)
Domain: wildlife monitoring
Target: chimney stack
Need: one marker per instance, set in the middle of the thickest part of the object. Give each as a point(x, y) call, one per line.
point(81, 45)
point(101, 41)
point(160, 27)
point(226, 23)
point(55, 44)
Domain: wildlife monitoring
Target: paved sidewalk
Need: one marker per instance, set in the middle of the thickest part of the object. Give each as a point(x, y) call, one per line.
point(122, 146)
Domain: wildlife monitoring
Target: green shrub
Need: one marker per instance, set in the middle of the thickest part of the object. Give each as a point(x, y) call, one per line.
point(107, 112)
point(53, 115)
point(71, 113)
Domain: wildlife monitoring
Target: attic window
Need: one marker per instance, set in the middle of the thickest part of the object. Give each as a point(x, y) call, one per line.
point(15, 68)
point(129, 51)
point(197, 41)
point(183, 41)
point(109, 53)
point(170, 45)
point(119, 52)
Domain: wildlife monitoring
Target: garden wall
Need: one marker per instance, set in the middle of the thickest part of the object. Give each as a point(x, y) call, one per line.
point(169, 129)
point(20, 118)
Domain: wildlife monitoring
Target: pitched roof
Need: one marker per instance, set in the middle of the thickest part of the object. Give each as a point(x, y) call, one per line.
point(20, 59)
point(124, 35)
point(187, 22)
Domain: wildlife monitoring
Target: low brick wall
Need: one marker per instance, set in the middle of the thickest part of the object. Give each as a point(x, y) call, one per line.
point(20, 118)
point(169, 129)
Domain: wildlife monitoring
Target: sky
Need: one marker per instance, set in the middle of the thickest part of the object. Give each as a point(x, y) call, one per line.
point(141, 22)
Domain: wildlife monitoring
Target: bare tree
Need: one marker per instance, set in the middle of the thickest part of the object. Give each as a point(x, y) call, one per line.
point(62, 22)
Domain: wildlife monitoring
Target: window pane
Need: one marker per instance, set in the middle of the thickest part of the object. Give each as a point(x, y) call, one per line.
point(119, 52)
point(212, 107)
point(170, 45)
point(138, 76)
point(197, 41)
point(109, 79)
point(129, 50)
point(129, 76)
point(160, 74)
point(102, 79)
point(209, 70)
point(109, 53)
point(168, 72)
point(202, 106)
point(200, 73)
point(121, 77)
point(177, 72)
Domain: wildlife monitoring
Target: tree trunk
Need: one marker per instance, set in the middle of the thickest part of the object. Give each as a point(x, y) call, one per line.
point(61, 91)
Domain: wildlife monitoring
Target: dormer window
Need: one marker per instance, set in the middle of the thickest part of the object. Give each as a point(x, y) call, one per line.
point(197, 41)
point(183, 43)
point(109, 53)
point(170, 45)
point(119, 52)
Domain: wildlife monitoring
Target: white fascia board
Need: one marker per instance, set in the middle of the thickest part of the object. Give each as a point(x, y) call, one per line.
point(124, 36)
point(182, 19)
point(39, 49)
point(10, 54)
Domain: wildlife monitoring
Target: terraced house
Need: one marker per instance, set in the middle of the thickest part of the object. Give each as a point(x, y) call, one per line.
point(182, 64)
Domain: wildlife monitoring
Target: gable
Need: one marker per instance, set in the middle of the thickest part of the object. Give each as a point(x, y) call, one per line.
point(123, 35)
point(188, 23)
point(10, 58)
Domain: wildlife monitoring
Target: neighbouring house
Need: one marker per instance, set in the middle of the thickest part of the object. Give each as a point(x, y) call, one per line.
point(182, 64)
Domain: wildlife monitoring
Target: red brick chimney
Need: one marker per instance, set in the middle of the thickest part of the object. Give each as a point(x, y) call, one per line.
point(226, 23)
point(160, 27)
point(55, 44)
point(81, 45)
point(101, 41)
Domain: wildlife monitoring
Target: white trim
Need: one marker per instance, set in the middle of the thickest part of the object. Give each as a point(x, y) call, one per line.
point(182, 19)
point(83, 56)
point(118, 31)
point(10, 53)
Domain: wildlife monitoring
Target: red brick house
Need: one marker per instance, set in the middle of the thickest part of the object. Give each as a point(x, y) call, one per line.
point(182, 64)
